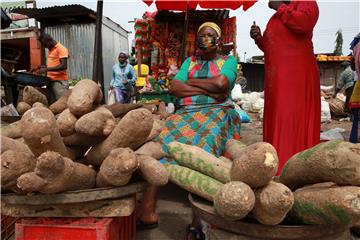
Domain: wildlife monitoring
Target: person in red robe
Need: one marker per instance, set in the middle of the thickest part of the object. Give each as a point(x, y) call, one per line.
point(292, 78)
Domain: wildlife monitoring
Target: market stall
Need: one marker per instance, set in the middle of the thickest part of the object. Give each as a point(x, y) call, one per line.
point(163, 46)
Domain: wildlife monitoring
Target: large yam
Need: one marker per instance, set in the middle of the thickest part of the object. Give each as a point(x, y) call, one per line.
point(61, 104)
point(326, 203)
point(54, 173)
point(333, 161)
point(193, 181)
point(117, 168)
point(198, 159)
point(15, 145)
point(12, 130)
point(153, 171)
point(100, 122)
point(234, 147)
point(22, 107)
point(83, 97)
point(31, 95)
point(40, 132)
point(13, 165)
point(78, 139)
point(234, 200)
point(272, 203)
point(125, 134)
point(158, 126)
point(255, 165)
point(152, 149)
point(66, 123)
point(121, 109)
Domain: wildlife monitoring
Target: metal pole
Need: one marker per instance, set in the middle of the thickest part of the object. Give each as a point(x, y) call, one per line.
point(98, 71)
point(186, 27)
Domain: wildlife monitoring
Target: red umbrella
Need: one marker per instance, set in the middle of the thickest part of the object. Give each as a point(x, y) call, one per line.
point(181, 5)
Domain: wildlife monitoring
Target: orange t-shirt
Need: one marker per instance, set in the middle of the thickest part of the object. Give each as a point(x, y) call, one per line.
point(53, 60)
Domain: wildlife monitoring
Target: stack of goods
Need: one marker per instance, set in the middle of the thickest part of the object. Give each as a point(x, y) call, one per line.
point(173, 49)
point(229, 30)
point(78, 144)
point(244, 185)
point(142, 39)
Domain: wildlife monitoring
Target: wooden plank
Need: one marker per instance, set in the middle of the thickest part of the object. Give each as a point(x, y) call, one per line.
point(82, 196)
point(103, 208)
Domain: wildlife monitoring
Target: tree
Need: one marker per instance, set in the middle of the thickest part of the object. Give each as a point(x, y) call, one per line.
point(339, 43)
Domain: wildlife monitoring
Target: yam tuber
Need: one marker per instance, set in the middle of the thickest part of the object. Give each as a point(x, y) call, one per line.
point(117, 168)
point(38, 126)
point(83, 97)
point(121, 109)
point(162, 111)
point(158, 126)
point(12, 144)
point(13, 130)
point(152, 149)
point(61, 104)
point(78, 139)
point(66, 123)
point(326, 203)
point(152, 170)
point(234, 147)
point(234, 200)
point(334, 161)
point(255, 165)
point(38, 104)
point(194, 181)
point(22, 107)
point(125, 134)
point(54, 173)
point(198, 159)
point(100, 122)
point(31, 95)
point(272, 203)
point(13, 165)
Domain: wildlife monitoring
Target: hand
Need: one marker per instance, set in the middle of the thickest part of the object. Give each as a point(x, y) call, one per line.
point(42, 70)
point(255, 32)
point(334, 95)
point(111, 87)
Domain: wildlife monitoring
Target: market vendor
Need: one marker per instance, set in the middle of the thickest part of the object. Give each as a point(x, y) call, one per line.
point(123, 79)
point(206, 117)
point(56, 68)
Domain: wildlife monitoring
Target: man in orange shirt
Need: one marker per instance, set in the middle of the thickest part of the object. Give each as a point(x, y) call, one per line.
point(56, 67)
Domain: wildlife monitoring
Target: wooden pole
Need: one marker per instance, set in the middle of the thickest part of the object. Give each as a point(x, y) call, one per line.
point(98, 71)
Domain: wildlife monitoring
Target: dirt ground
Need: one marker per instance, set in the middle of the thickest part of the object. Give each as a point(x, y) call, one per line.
point(173, 206)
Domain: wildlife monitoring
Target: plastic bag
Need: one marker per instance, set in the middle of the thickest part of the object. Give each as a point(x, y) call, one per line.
point(9, 110)
point(333, 134)
point(111, 97)
point(325, 111)
point(236, 93)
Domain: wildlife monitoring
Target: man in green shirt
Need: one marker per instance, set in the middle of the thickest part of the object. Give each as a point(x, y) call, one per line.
point(346, 81)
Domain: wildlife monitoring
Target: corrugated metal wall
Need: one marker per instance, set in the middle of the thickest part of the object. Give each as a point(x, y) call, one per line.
point(79, 40)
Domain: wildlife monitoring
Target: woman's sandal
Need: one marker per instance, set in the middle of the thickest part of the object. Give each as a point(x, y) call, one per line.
point(193, 233)
point(144, 226)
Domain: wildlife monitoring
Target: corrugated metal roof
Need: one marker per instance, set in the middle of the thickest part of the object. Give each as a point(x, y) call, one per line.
point(56, 15)
point(194, 15)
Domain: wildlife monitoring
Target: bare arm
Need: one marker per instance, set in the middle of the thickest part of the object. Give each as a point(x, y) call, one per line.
point(62, 66)
point(181, 90)
point(218, 84)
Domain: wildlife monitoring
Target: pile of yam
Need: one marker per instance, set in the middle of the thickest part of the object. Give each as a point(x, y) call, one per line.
point(76, 143)
point(320, 185)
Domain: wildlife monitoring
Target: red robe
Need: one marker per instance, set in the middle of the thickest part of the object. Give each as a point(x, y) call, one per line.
point(292, 80)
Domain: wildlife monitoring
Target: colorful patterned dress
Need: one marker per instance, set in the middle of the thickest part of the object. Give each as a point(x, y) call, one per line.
point(201, 120)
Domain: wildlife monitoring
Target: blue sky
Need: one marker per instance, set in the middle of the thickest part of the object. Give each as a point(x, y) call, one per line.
point(333, 16)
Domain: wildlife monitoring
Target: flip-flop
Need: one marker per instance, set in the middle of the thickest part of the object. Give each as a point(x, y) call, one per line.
point(144, 226)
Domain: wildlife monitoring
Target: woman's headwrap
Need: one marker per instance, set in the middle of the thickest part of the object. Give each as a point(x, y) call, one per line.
point(124, 53)
point(211, 25)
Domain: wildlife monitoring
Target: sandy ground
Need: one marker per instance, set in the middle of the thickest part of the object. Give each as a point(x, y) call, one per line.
point(173, 206)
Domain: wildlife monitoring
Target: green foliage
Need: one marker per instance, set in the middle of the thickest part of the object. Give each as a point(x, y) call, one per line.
point(339, 43)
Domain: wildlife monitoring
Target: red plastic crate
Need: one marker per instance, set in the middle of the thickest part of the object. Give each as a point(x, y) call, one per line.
point(7, 226)
point(122, 228)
